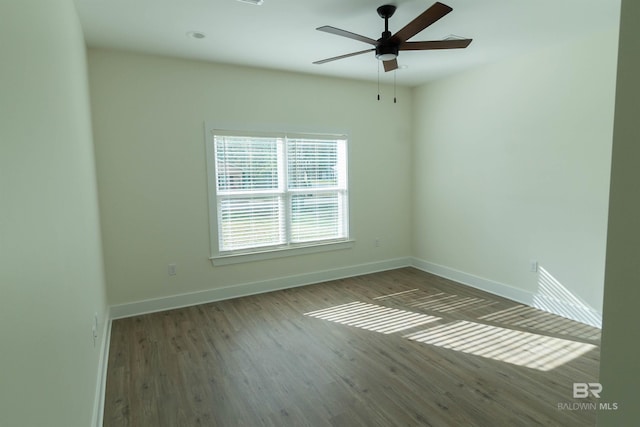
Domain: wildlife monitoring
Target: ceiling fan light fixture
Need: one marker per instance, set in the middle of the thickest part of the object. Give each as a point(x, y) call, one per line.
point(386, 56)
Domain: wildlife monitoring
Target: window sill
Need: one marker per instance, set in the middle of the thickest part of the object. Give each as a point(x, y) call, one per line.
point(273, 253)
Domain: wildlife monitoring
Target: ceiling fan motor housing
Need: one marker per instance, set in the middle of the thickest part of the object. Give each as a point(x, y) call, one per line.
point(386, 51)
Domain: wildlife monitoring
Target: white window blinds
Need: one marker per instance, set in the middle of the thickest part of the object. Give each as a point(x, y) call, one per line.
point(279, 191)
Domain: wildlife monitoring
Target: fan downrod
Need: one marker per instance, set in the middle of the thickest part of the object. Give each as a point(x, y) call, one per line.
point(385, 13)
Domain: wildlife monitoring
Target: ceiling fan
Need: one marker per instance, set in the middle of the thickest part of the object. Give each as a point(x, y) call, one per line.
point(388, 46)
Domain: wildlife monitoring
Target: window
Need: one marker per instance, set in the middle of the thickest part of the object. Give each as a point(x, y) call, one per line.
point(275, 192)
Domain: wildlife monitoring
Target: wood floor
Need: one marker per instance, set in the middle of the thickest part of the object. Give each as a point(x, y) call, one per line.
point(397, 348)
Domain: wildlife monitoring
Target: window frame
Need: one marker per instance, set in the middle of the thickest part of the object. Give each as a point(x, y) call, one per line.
point(288, 248)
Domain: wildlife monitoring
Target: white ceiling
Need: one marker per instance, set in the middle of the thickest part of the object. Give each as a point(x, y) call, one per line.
point(280, 34)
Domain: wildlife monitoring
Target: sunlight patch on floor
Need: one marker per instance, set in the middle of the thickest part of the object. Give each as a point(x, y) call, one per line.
point(396, 294)
point(437, 301)
point(532, 318)
point(373, 317)
point(507, 345)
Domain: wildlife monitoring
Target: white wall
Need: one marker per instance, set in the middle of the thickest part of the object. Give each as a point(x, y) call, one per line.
point(511, 164)
point(149, 115)
point(51, 273)
point(619, 372)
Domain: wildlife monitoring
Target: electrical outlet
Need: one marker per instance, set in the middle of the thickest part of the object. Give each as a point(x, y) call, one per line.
point(533, 266)
point(172, 270)
point(376, 242)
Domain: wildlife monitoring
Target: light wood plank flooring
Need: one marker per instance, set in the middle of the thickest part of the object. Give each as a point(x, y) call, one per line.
point(397, 348)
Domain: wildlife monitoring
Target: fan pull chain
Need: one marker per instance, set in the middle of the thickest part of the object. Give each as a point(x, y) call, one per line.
point(378, 80)
point(394, 86)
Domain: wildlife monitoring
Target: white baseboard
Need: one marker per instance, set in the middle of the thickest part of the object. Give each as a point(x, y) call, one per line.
point(487, 285)
point(578, 312)
point(194, 298)
point(98, 407)
point(569, 309)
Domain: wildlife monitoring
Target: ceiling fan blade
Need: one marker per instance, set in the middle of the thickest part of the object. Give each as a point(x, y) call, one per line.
point(436, 44)
point(347, 34)
point(428, 17)
point(390, 65)
point(322, 61)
